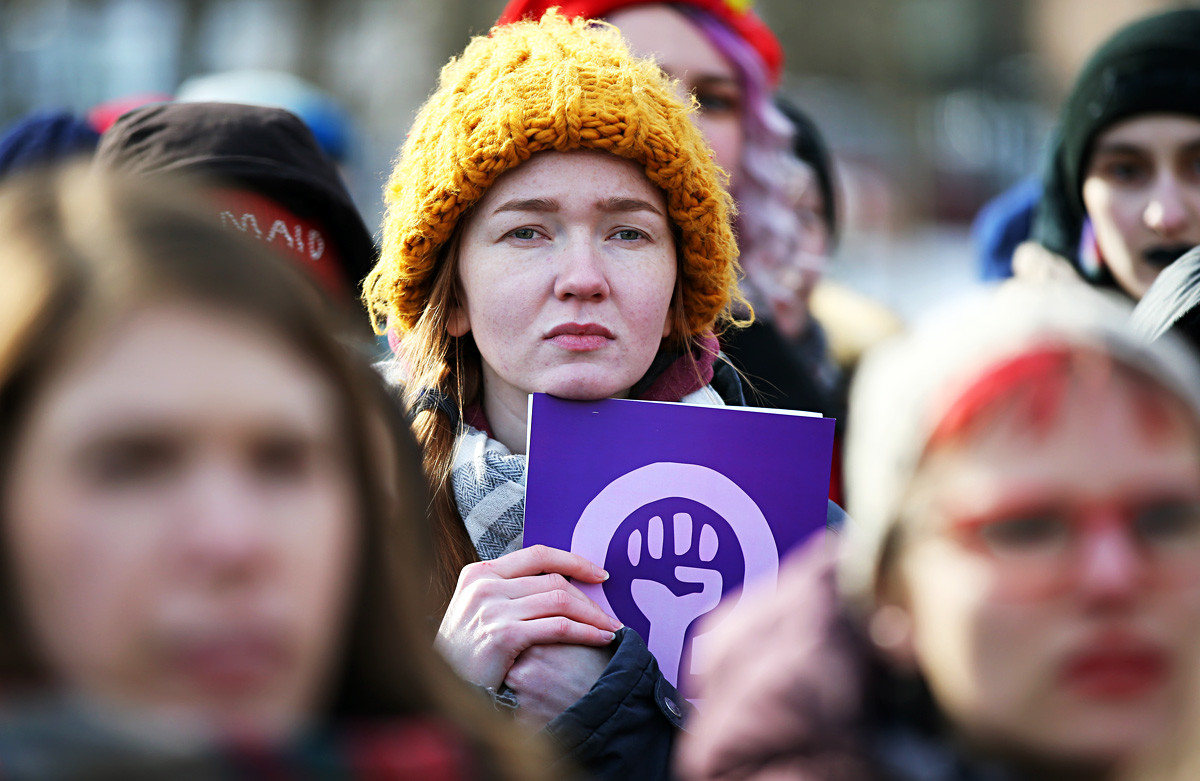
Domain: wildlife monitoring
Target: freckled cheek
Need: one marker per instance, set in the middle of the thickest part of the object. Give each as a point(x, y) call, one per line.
point(652, 302)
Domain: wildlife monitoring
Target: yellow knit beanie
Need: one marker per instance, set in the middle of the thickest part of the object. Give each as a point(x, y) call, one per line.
point(537, 86)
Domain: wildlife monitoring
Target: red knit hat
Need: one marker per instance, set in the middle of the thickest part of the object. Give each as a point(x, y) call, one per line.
point(735, 13)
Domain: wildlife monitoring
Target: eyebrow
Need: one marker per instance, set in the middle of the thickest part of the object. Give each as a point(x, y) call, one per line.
point(607, 205)
point(528, 205)
point(1119, 148)
point(615, 205)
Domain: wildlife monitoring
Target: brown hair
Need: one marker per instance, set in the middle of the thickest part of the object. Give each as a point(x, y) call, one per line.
point(78, 248)
point(442, 378)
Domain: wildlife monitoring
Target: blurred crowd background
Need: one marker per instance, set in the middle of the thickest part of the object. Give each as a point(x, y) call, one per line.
point(931, 106)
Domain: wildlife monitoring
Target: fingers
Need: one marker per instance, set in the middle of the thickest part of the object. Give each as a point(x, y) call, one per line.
point(537, 596)
point(515, 588)
point(550, 630)
point(560, 602)
point(521, 599)
point(536, 560)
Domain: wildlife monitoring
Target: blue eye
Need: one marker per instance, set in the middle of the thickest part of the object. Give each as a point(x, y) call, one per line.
point(524, 234)
point(629, 234)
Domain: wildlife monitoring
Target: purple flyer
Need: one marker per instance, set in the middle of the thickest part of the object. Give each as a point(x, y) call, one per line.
point(682, 504)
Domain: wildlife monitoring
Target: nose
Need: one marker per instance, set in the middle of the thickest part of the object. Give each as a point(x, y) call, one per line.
point(581, 273)
point(1167, 213)
point(1111, 568)
point(222, 532)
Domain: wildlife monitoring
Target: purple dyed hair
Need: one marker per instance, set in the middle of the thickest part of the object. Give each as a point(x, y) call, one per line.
point(771, 179)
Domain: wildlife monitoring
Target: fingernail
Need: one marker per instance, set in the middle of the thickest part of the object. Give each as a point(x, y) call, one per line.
point(615, 624)
point(603, 573)
point(609, 636)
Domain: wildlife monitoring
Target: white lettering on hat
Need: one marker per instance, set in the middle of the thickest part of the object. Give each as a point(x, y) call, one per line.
point(280, 227)
point(316, 242)
point(244, 224)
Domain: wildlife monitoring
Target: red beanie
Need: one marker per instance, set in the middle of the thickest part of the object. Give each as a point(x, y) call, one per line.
point(735, 13)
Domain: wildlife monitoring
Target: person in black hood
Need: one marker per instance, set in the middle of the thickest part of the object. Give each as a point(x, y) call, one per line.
point(1122, 188)
point(269, 175)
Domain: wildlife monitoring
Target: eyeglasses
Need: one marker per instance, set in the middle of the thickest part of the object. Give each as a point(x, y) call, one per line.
point(1039, 551)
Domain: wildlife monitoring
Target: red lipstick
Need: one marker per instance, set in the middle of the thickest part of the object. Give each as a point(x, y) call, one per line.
point(1117, 672)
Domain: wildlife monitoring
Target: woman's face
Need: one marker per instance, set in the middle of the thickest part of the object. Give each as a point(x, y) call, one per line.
point(567, 267)
point(1051, 581)
point(1142, 193)
point(685, 53)
point(180, 516)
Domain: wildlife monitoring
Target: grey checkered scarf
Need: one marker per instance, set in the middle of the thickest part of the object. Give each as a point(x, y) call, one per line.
point(489, 486)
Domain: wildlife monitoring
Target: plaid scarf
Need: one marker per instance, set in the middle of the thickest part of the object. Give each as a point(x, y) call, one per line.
point(489, 486)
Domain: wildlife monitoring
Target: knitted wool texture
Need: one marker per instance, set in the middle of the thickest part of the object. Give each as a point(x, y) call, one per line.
point(551, 85)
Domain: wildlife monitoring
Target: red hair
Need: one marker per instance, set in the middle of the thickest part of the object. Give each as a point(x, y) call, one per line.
point(1029, 390)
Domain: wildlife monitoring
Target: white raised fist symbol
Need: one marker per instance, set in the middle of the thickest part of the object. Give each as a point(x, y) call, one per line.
point(600, 521)
point(670, 614)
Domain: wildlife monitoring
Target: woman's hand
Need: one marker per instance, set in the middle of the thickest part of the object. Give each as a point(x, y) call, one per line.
point(522, 599)
point(548, 679)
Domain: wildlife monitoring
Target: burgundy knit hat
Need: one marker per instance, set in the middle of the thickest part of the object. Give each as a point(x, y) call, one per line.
point(735, 13)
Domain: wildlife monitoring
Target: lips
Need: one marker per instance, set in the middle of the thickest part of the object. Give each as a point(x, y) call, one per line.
point(1165, 256)
point(1116, 673)
point(232, 663)
point(580, 337)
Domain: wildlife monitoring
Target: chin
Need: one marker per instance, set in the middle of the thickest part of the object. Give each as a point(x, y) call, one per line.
point(588, 386)
point(1109, 738)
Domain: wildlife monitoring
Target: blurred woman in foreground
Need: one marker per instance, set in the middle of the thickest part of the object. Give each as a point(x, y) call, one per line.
point(212, 529)
point(1020, 594)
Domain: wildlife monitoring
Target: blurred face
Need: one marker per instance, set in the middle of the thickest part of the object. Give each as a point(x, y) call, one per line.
point(659, 31)
point(802, 274)
point(568, 267)
point(180, 514)
point(1142, 193)
point(1051, 582)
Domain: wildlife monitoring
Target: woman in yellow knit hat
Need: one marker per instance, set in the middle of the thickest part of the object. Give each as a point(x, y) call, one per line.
point(555, 224)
